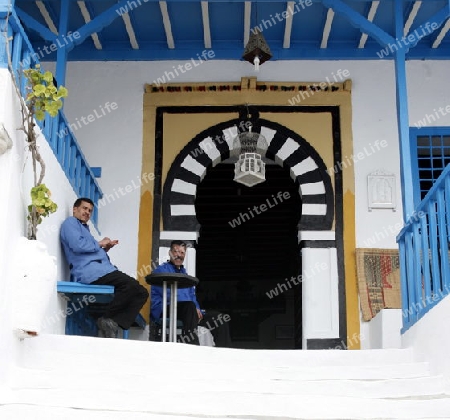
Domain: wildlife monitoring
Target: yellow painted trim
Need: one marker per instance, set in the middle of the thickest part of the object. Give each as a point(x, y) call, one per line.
point(351, 282)
point(252, 92)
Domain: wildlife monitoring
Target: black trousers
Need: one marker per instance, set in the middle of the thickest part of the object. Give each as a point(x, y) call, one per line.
point(214, 321)
point(218, 324)
point(187, 313)
point(129, 298)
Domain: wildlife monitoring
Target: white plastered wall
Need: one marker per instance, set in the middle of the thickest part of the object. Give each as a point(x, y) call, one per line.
point(114, 141)
point(15, 183)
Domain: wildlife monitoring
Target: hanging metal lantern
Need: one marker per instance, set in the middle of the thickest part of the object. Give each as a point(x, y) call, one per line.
point(249, 170)
point(257, 51)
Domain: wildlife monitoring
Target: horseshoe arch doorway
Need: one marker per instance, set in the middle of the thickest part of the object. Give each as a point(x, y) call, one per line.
point(243, 266)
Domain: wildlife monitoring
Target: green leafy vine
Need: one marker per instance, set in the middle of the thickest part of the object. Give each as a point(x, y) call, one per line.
point(42, 97)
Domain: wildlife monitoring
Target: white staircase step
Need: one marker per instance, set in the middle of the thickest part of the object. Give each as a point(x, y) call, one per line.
point(196, 402)
point(205, 371)
point(79, 377)
point(91, 378)
point(91, 346)
point(203, 363)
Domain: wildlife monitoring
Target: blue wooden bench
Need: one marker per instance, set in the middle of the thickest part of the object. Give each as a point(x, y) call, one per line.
point(84, 301)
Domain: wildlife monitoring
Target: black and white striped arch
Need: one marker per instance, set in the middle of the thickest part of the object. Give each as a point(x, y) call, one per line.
point(215, 145)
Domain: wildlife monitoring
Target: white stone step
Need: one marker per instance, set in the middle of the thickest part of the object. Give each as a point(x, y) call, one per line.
point(54, 352)
point(55, 413)
point(79, 377)
point(143, 349)
point(198, 403)
point(158, 364)
point(92, 378)
point(93, 345)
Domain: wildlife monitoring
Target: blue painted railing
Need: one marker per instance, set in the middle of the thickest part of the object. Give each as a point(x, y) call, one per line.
point(424, 253)
point(56, 130)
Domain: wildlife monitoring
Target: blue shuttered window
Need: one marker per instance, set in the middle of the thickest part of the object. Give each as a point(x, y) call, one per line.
point(430, 148)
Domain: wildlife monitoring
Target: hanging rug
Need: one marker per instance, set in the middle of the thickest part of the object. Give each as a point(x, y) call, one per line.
point(378, 272)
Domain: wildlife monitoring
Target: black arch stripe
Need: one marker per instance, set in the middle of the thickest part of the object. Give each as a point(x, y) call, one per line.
point(192, 149)
point(309, 177)
point(201, 156)
point(295, 158)
point(184, 223)
point(189, 222)
point(221, 144)
point(310, 222)
point(314, 199)
point(179, 198)
point(187, 176)
point(275, 145)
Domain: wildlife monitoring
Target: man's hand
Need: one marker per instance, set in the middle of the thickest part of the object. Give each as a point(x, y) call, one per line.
point(107, 243)
point(200, 315)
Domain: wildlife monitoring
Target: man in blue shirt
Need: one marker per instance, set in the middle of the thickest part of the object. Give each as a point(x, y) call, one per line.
point(188, 308)
point(89, 263)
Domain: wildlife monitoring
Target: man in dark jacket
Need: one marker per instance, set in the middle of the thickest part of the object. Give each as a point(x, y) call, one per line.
point(188, 308)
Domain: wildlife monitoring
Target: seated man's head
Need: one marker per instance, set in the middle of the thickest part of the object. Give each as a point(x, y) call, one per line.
point(82, 209)
point(177, 253)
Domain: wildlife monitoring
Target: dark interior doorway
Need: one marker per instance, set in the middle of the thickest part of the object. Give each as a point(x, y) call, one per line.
point(247, 249)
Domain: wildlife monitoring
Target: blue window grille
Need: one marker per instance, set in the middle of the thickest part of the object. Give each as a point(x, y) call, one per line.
point(430, 149)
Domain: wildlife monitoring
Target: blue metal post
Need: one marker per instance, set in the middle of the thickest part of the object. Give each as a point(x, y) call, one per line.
point(403, 117)
point(61, 54)
point(5, 7)
point(5, 31)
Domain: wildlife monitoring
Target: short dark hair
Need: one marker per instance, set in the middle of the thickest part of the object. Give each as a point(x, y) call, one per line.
point(179, 243)
point(79, 200)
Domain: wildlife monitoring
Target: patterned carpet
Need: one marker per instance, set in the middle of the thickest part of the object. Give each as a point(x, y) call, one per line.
point(378, 280)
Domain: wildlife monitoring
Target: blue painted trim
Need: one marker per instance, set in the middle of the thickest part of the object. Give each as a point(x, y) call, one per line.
point(74, 287)
point(432, 223)
point(424, 264)
point(408, 263)
point(33, 24)
point(438, 19)
point(422, 207)
point(447, 205)
point(78, 322)
point(17, 26)
point(403, 283)
point(413, 133)
point(56, 130)
point(403, 118)
point(61, 54)
point(443, 233)
point(97, 24)
point(186, 53)
point(360, 22)
point(92, 13)
point(5, 7)
point(97, 171)
point(431, 131)
point(140, 321)
point(424, 311)
point(414, 277)
point(17, 55)
point(239, 1)
point(426, 268)
point(4, 28)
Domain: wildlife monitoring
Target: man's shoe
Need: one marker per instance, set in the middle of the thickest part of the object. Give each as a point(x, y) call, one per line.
point(108, 326)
